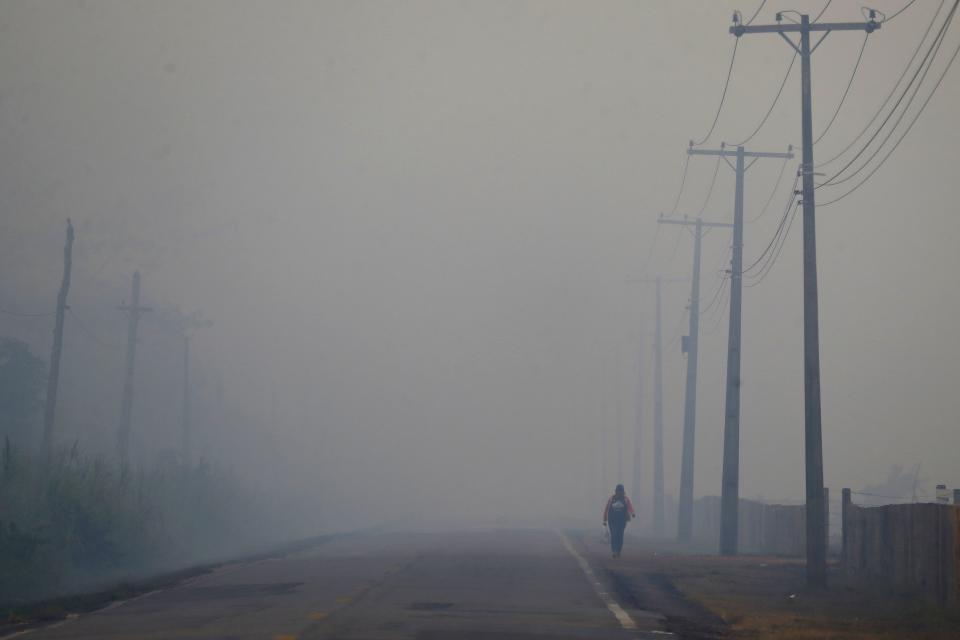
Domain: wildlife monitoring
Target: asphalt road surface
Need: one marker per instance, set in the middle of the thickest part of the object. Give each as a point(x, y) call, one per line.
point(510, 584)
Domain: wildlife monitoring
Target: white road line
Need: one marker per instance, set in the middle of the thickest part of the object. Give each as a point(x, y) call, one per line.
point(622, 616)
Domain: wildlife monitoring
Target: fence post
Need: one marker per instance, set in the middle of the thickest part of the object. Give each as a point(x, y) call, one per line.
point(844, 528)
point(826, 521)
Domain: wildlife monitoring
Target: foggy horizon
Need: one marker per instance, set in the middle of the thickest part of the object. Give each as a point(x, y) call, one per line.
point(413, 227)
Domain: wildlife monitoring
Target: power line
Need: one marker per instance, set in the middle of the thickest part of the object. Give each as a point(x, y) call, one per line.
point(757, 12)
point(723, 96)
point(904, 8)
point(768, 267)
point(713, 181)
point(779, 229)
point(926, 64)
point(778, 241)
point(716, 318)
point(845, 91)
point(716, 293)
point(720, 275)
point(823, 11)
point(675, 246)
point(653, 245)
point(889, 95)
point(904, 135)
point(90, 334)
point(677, 331)
point(786, 14)
point(18, 314)
point(683, 181)
point(713, 311)
point(934, 46)
point(773, 192)
point(773, 104)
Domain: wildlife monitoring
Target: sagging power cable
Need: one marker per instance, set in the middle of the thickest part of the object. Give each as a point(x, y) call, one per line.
point(893, 90)
point(903, 135)
point(723, 96)
point(845, 91)
point(773, 192)
point(920, 73)
point(919, 76)
point(773, 104)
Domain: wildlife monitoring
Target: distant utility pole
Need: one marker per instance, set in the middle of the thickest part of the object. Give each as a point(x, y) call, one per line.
point(134, 311)
point(691, 347)
point(730, 488)
point(194, 321)
point(185, 417)
point(618, 414)
point(638, 432)
point(658, 517)
point(658, 508)
point(53, 378)
point(816, 522)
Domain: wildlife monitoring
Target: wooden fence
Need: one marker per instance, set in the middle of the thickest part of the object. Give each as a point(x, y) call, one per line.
point(764, 529)
point(908, 547)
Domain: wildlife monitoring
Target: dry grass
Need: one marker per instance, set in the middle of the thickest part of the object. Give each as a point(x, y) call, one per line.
point(766, 598)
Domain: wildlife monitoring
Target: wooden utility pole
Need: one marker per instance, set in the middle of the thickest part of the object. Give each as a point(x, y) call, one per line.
point(134, 311)
point(658, 515)
point(185, 416)
point(193, 321)
point(658, 492)
point(618, 414)
point(730, 487)
point(638, 433)
point(53, 378)
point(813, 433)
point(691, 347)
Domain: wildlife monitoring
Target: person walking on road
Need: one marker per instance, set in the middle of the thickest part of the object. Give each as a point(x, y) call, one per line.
point(618, 512)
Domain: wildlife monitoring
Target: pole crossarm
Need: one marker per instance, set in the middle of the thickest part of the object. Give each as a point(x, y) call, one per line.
point(693, 222)
point(733, 153)
point(869, 26)
point(664, 280)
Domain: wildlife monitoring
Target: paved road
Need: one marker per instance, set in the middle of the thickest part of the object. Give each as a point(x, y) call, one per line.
point(481, 584)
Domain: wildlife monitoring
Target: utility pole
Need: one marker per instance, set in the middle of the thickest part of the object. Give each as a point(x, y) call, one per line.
point(193, 321)
point(658, 517)
point(53, 379)
point(813, 435)
point(638, 433)
point(134, 310)
point(658, 507)
point(618, 414)
point(691, 347)
point(185, 417)
point(730, 487)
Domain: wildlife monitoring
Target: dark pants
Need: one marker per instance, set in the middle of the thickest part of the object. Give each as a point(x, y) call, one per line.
point(616, 535)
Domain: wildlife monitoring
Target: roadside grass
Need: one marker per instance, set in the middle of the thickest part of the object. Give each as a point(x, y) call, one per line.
point(25, 616)
point(761, 597)
point(79, 524)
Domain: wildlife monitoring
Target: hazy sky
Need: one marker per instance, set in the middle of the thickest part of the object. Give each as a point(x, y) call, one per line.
point(416, 219)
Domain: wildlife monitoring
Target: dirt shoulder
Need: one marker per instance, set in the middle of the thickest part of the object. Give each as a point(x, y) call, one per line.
point(755, 597)
point(639, 583)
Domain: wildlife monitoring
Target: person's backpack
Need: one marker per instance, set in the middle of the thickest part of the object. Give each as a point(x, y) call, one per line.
point(618, 509)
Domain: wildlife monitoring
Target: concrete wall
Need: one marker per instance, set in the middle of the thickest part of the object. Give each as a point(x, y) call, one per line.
point(910, 547)
point(764, 529)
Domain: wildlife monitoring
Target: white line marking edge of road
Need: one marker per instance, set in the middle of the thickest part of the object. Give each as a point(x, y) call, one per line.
point(622, 616)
